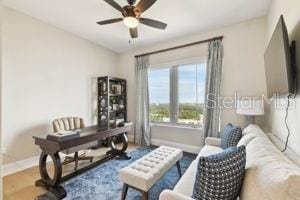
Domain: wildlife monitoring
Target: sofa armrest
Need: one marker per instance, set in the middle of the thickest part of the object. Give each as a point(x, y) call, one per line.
point(213, 141)
point(172, 195)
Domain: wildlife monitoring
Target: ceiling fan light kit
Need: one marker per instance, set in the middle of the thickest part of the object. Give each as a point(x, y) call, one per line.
point(132, 16)
point(131, 22)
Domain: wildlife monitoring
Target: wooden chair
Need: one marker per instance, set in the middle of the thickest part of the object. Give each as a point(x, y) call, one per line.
point(72, 123)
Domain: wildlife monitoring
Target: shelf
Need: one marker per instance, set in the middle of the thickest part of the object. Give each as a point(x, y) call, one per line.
point(116, 95)
point(113, 118)
point(104, 92)
point(120, 110)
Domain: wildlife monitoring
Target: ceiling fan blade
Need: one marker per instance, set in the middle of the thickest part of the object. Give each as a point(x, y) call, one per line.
point(114, 4)
point(133, 32)
point(110, 21)
point(153, 23)
point(143, 5)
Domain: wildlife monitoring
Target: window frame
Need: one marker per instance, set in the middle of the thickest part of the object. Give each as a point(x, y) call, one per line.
point(174, 99)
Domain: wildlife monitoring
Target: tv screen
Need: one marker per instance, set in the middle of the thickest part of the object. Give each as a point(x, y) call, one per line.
point(278, 68)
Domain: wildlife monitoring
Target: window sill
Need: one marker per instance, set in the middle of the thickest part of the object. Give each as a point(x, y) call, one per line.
point(174, 125)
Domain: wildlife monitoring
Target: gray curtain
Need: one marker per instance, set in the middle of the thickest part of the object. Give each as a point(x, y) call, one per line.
point(212, 90)
point(142, 127)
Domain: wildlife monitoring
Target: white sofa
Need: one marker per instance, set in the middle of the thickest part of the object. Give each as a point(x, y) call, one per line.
point(269, 174)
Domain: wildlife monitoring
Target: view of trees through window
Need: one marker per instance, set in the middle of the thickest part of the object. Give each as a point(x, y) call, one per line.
point(177, 94)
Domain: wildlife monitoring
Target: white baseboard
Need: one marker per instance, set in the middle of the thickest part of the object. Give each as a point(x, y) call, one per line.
point(184, 147)
point(19, 165)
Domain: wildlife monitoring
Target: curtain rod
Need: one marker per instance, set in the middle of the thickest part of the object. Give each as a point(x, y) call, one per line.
point(181, 46)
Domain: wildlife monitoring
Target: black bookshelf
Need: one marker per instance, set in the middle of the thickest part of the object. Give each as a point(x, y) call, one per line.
point(112, 103)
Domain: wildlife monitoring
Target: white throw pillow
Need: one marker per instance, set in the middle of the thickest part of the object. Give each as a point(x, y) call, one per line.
point(254, 130)
point(250, 132)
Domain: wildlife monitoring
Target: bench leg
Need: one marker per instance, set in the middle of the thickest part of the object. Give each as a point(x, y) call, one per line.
point(144, 195)
point(124, 191)
point(178, 168)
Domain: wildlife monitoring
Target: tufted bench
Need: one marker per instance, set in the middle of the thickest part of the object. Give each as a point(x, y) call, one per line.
point(145, 172)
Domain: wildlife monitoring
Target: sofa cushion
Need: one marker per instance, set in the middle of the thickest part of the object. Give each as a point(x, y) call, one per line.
point(245, 140)
point(231, 136)
point(186, 182)
point(250, 132)
point(208, 150)
point(220, 176)
point(254, 130)
point(269, 174)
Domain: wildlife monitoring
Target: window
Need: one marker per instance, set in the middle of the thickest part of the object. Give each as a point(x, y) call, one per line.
point(177, 94)
point(159, 87)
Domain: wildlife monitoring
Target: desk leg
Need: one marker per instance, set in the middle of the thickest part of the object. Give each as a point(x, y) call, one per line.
point(121, 153)
point(51, 184)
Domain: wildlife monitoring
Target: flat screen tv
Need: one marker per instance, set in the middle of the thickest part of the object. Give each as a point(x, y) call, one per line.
point(279, 69)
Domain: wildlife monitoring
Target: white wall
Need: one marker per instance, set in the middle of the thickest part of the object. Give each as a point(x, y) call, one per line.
point(47, 73)
point(243, 70)
point(291, 11)
point(1, 186)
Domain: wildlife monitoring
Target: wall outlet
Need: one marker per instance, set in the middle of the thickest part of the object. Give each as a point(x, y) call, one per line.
point(3, 150)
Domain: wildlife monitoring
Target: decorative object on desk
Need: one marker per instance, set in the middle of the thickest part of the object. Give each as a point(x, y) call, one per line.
point(115, 94)
point(250, 107)
point(128, 124)
point(112, 123)
point(120, 120)
point(63, 135)
point(125, 124)
point(68, 124)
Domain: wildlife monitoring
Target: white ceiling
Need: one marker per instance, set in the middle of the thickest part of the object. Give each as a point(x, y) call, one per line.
point(184, 17)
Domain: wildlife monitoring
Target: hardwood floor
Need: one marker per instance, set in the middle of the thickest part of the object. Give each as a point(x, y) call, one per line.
point(20, 185)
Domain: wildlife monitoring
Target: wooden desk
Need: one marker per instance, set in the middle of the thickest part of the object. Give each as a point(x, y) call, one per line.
point(52, 148)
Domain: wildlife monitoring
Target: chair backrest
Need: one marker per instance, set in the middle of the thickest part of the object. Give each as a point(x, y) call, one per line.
point(67, 123)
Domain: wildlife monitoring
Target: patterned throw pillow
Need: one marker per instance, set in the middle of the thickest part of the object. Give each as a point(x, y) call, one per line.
point(231, 136)
point(220, 176)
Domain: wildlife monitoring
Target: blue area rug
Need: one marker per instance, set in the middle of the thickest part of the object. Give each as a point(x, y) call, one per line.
point(102, 183)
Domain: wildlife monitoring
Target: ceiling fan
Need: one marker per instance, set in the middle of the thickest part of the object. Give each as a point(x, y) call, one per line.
point(132, 16)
